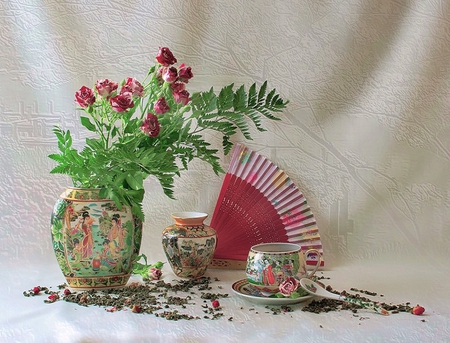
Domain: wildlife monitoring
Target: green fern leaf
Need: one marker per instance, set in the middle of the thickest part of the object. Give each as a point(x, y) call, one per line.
point(61, 169)
point(240, 99)
point(262, 93)
point(226, 98)
point(252, 98)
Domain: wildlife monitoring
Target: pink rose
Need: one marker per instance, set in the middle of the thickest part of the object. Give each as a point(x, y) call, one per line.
point(184, 73)
point(150, 125)
point(121, 103)
point(85, 97)
point(165, 57)
point(161, 106)
point(178, 86)
point(169, 74)
point(106, 87)
point(132, 86)
point(155, 273)
point(288, 286)
point(181, 97)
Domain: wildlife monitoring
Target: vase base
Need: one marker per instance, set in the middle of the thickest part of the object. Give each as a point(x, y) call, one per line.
point(189, 273)
point(103, 282)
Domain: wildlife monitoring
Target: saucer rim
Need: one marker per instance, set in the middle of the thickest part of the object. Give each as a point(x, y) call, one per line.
point(266, 300)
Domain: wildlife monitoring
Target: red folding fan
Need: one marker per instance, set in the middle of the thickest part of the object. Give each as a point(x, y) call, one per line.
point(259, 203)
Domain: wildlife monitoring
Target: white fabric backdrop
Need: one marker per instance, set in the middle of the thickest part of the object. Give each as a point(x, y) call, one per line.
point(365, 135)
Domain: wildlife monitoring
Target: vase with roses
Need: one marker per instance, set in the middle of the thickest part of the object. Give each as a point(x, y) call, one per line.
point(138, 128)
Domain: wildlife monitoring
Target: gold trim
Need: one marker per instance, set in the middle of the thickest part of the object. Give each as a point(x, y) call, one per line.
point(217, 263)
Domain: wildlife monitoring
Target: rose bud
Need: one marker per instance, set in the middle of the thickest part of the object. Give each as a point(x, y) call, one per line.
point(165, 57)
point(182, 97)
point(184, 73)
point(170, 74)
point(53, 297)
point(67, 292)
point(105, 87)
point(135, 309)
point(215, 303)
point(155, 273)
point(36, 290)
point(418, 310)
point(133, 86)
point(150, 125)
point(161, 106)
point(178, 87)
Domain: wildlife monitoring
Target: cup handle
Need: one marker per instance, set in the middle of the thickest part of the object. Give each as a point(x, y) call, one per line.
point(319, 262)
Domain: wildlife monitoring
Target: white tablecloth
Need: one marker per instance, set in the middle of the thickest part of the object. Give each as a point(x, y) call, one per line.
point(29, 319)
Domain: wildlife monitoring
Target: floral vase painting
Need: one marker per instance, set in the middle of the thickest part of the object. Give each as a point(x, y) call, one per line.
point(189, 244)
point(95, 243)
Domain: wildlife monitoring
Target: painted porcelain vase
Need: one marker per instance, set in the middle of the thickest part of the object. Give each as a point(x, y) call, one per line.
point(189, 244)
point(95, 243)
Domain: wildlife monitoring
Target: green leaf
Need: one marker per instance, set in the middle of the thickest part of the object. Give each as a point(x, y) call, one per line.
point(94, 143)
point(252, 99)
point(114, 131)
point(143, 269)
point(57, 157)
point(68, 139)
point(226, 97)
point(131, 126)
point(61, 146)
point(294, 295)
point(262, 92)
point(86, 122)
point(60, 170)
point(227, 145)
point(240, 99)
point(135, 181)
point(59, 133)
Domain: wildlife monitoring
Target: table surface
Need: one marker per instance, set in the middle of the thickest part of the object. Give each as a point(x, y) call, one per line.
point(417, 281)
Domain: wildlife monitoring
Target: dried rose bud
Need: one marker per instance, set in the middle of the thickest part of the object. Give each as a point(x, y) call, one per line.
point(67, 292)
point(418, 310)
point(36, 290)
point(135, 309)
point(53, 297)
point(215, 304)
point(155, 273)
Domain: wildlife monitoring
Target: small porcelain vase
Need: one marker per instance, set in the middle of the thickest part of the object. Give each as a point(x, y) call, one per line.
point(189, 244)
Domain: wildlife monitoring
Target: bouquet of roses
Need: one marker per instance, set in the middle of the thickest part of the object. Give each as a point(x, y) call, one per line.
point(155, 127)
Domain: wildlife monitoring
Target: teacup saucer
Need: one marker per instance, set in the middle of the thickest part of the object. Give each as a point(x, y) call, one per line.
point(245, 290)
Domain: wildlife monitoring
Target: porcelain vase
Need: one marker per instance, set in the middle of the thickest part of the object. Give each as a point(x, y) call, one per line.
point(95, 243)
point(189, 244)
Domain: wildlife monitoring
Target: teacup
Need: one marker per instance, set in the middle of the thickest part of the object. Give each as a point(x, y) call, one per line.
point(269, 264)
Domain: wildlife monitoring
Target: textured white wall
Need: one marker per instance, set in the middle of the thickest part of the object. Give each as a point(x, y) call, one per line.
point(365, 135)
